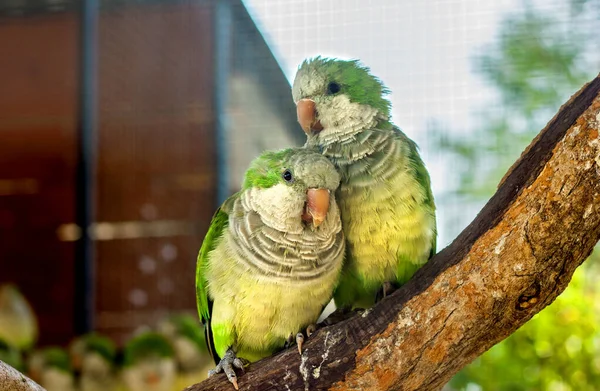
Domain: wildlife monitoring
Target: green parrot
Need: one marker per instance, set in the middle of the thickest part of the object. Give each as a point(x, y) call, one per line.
point(94, 356)
point(385, 197)
point(149, 363)
point(271, 258)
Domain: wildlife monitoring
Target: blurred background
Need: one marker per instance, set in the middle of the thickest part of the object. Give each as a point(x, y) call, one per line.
point(136, 118)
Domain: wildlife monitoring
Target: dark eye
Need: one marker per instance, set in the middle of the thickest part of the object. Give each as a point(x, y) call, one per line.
point(333, 88)
point(287, 176)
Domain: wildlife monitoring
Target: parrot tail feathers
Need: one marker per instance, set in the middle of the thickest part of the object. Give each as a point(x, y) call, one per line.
point(210, 341)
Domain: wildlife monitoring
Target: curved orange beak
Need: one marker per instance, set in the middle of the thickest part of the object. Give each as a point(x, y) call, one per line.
point(307, 116)
point(317, 206)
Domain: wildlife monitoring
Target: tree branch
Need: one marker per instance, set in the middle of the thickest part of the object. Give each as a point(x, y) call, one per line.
point(13, 380)
point(513, 260)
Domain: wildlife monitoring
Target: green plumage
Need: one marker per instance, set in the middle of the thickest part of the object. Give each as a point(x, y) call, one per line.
point(262, 273)
point(386, 203)
point(215, 230)
point(356, 81)
point(265, 172)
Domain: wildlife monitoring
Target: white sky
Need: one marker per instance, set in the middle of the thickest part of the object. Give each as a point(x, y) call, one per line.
point(422, 50)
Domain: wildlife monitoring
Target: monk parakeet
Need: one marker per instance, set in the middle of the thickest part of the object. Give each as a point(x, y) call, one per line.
point(385, 197)
point(149, 363)
point(18, 323)
point(271, 257)
point(51, 368)
point(93, 356)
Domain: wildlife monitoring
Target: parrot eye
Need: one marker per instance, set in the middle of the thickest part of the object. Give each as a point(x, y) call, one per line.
point(333, 88)
point(287, 176)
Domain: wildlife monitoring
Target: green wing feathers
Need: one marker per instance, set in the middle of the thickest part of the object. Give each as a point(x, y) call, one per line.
point(217, 226)
point(422, 176)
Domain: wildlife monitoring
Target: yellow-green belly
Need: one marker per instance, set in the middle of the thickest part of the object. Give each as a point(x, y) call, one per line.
point(256, 316)
point(389, 235)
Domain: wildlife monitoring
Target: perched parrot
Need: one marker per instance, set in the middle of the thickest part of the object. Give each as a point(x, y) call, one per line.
point(50, 368)
point(271, 258)
point(149, 363)
point(93, 356)
point(18, 323)
point(385, 197)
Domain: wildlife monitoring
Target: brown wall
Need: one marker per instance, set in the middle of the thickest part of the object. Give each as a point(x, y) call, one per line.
point(155, 167)
point(38, 92)
point(156, 158)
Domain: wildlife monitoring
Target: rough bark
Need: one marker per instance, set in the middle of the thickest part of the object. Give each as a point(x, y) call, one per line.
point(13, 380)
point(513, 260)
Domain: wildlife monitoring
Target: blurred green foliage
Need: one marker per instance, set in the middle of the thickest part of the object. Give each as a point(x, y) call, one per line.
point(544, 54)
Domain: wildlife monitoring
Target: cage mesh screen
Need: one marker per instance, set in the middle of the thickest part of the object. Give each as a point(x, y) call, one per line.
point(190, 91)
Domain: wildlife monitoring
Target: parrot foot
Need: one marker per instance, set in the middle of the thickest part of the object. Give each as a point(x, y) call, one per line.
point(227, 365)
point(299, 339)
point(289, 342)
point(310, 329)
point(386, 289)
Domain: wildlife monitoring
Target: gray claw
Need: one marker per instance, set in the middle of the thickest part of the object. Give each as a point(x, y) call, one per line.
point(388, 288)
point(240, 363)
point(227, 363)
point(289, 341)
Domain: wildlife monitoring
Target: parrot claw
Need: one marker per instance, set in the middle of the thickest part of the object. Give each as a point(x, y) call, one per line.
point(300, 338)
point(289, 342)
point(300, 341)
point(386, 289)
point(227, 365)
point(310, 329)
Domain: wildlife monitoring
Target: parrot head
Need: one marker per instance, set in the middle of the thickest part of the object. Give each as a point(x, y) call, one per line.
point(291, 189)
point(337, 99)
